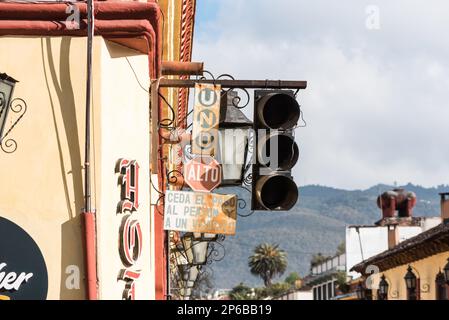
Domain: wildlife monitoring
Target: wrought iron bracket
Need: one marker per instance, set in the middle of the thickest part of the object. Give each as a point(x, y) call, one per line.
point(19, 107)
point(231, 83)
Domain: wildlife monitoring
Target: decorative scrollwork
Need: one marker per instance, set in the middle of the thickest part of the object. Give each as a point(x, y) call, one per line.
point(20, 107)
point(251, 141)
point(237, 100)
point(205, 271)
point(425, 287)
point(175, 178)
point(224, 92)
point(243, 204)
point(167, 122)
point(247, 171)
point(9, 145)
point(224, 75)
point(187, 153)
point(248, 179)
point(208, 73)
point(395, 294)
point(160, 203)
point(216, 253)
point(221, 238)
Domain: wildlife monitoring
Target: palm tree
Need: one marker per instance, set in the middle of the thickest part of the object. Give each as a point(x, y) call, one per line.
point(267, 262)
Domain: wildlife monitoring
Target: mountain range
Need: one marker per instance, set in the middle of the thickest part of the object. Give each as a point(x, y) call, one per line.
point(315, 225)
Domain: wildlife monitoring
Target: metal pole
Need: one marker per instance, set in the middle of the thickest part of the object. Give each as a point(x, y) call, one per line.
point(167, 244)
point(225, 83)
point(87, 186)
point(88, 214)
point(172, 68)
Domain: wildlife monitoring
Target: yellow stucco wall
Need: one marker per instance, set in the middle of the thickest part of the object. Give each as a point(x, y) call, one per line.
point(42, 182)
point(425, 269)
point(125, 134)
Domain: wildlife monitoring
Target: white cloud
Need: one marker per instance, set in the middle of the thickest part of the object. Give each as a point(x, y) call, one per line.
point(377, 101)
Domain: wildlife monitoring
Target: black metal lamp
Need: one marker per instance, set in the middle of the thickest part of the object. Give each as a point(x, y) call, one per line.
point(190, 274)
point(383, 288)
point(186, 293)
point(234, 129)
point(446, 271)
point(440, 279)
point(360, 291)
point(205, 236)
point(410, 279)
point(196, 251)
point(7, 85)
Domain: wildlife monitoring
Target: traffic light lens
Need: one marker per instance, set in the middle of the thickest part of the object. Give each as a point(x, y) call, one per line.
point(279, 111)
point(277, 192)
point(278, 151)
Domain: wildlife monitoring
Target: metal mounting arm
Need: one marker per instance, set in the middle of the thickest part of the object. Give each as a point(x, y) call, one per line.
point(227, 83)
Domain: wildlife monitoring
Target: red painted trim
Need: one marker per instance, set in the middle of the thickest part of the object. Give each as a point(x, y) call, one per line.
point(136, 25)
point(161, 261)
point(90, 255)
point(160, 235)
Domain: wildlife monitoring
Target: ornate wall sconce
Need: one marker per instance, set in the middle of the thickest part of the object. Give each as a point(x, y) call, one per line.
point(8, 104)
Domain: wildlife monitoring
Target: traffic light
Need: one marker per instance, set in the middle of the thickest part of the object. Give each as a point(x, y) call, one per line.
point(276, 113)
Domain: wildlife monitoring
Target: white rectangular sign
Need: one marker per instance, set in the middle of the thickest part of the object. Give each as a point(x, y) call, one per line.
point(206, 117)
point(200, 212)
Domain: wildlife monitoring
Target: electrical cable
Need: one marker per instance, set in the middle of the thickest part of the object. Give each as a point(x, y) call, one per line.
point(135, 75)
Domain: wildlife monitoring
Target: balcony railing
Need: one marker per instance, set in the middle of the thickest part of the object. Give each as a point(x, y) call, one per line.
point(337, 263)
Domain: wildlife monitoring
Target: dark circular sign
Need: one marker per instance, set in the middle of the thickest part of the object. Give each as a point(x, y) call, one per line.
point(23, 273)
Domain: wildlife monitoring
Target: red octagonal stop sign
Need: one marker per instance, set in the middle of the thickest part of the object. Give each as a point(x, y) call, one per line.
point(202, 173)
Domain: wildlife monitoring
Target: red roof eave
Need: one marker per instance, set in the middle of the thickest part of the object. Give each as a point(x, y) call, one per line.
point(133, 24)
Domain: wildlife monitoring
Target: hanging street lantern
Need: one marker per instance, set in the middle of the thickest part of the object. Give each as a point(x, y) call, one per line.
point(7, 85)
point(360, 292)
point(186, 293)
point(7, 105)
point(189, 273)
point(196, 251)
point(410, 279)
point(234, 130)
point(383, 288)
point(446, 271)
point(205, 236)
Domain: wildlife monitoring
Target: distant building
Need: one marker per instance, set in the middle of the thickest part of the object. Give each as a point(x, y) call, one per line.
point(397, 224)
point(220, 294)
point(336, 278)
point(414, 269)
point(323, 278)
point(298, 294)
point(363, 242)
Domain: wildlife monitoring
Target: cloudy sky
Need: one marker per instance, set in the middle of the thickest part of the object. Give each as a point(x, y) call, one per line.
point(377, 102)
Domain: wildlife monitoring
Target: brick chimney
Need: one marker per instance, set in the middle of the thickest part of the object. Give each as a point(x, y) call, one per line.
point(393, 236)
point(445, 207)
point(396, 203)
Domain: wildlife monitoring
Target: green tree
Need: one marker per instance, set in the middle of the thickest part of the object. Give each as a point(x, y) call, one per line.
point(341, 248)
point(342, 282)
point(292, 278)
point(318, 258)
point(274, 291)
point(267, 262)
point(240, 292)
